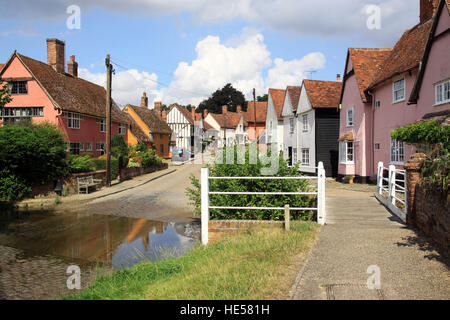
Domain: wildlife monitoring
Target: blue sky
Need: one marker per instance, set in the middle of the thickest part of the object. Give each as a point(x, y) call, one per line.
point(182, 51)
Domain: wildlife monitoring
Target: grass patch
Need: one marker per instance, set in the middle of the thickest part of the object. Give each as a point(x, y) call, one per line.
point(254, 264)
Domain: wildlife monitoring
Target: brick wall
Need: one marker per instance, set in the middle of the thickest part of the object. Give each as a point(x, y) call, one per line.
point(427, 210)
point(218, 229)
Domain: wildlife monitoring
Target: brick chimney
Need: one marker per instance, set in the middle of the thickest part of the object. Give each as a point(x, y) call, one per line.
point(224, 109)
point(144, 100)
point(164, 115)
point(239, 109)
point(56, 55)
point(428, 9)
point(338, 77)
point(158, 106)
point(72, 67)
point(205, 113)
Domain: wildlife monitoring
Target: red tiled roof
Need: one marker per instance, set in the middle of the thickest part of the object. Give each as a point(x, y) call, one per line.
point(294, 94)
point(229, 120)
point(152, 119)
point(323, 94)
point(72, 93)
point(261, 112)
point(366, 64)
point(347, 137)
point(278, 100)
point(1, 66)
point(406, 55)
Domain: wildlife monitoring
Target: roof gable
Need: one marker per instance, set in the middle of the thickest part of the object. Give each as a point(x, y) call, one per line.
point(151, 119)
point(294, 95)
point(278, 96)
point(323, 94)
point(229, 120)
point(261, 112)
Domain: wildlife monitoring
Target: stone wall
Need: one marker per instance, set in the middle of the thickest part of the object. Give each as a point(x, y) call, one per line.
point(218, 229)
point(130, 173)
point(427, 210)
point(71, 184)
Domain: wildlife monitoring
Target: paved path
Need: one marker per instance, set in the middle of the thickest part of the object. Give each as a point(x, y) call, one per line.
point(361, 233)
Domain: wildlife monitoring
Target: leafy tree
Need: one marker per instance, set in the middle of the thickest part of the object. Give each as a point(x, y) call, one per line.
point(30, 155)
point(5, 97)
point(119, 150)
point(253, 170)
point(263, 98)
point(228, 96)
point(141, 147)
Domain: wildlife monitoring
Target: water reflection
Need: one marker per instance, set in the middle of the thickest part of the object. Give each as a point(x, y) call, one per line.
point(116, 241)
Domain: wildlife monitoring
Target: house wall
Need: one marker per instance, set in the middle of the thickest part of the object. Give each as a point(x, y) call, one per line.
point(326, 138)
point(352, 98)
point(182, 128)
point(306, 140)
point(277, 126)
point(289, 139)
point(437, 68)
point(161, 139)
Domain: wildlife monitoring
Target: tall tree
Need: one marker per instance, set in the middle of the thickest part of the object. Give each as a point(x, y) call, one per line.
point(263, 98)
point(4, 94)
point(228, 96)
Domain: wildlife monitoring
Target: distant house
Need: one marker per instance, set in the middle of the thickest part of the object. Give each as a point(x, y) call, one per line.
point(289, 115)
point(274, 119)
point(231, 127)
point(46, 92)
point(318, 126)
point(152, 125)
point(260, 121)
point(182, 123)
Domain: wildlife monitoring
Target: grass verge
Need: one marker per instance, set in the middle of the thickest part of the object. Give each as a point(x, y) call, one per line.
point(259, 263)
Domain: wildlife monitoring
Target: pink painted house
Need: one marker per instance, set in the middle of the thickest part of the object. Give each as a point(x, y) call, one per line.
point(45, 92)
point(405, 84)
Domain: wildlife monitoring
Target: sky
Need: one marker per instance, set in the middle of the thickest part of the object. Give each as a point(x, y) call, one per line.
point(181, 51)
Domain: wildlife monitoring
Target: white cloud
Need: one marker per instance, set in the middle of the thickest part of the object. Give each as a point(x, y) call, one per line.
point(127, 86)
point(325, 18)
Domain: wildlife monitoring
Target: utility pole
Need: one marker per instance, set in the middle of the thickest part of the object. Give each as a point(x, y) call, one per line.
point(254, 109)
point(109, 71)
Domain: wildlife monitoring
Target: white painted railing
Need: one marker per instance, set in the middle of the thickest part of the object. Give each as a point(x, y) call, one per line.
point(205, 193)
point(390, 192)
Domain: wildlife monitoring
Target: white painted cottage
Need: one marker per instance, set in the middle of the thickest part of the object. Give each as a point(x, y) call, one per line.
point(274, 120)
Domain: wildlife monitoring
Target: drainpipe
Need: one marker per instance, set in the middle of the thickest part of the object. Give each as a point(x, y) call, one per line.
point(372, 148)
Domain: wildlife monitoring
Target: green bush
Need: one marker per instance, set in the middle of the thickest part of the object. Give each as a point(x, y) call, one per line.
point(150, 159)
point(141, 147)
point(12, 187)
point(100, 164)
point(253, 170)
point(83, 163)
point(30, 155)
point(119, 150)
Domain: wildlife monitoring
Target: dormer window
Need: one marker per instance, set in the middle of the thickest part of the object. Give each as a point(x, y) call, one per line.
point(18, 87)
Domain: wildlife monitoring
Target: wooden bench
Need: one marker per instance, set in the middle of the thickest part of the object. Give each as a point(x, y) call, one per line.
point(85, 182)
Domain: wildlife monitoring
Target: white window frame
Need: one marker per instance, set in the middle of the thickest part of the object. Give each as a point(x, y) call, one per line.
point(82, 146)
point(441, 86)
point(294, 156)
point(305, 123)
point(291, 125)
point(347, 121)
point(377, 104)
point(306, 157)
point(397, 152)
point(73, 120)
point(377, 146)
point(122, 128)
point(88, 146)
point(102, 125)
point(344, 154)
point(394, 91)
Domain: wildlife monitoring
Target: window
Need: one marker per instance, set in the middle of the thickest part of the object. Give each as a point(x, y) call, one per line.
point(73, 120)
point(291, 125)
point(399, 90)
point(377, 146)
point(443, 92)
point(122, 128)
point(88, 146)
point(294, 156)
point(305, 157)
point(102, 125)
point(350, 112)
point(162, 148)
point(74, 148)
point(100, 147)
point(397, 151)
point(346, 152)
point(81, 146)
point(18, 87)
point(377, 104)
point(305, 123)
point(16, 115)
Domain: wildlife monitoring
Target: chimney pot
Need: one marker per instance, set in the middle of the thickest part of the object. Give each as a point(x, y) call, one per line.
point(164, 115)
point(56, 54)
point(144, 100)
point(338, 77)
point(72, 67)
point(158, 106)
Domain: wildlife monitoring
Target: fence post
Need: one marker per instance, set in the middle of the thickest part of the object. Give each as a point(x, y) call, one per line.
point(392, 184)
point(205, 204)
point(380, 178)
point(287, 218)
point(321, 214)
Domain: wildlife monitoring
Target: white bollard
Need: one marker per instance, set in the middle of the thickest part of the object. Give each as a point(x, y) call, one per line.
point(321, 213)
point(380, 178)
point(205, 204)
point(392, 184)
